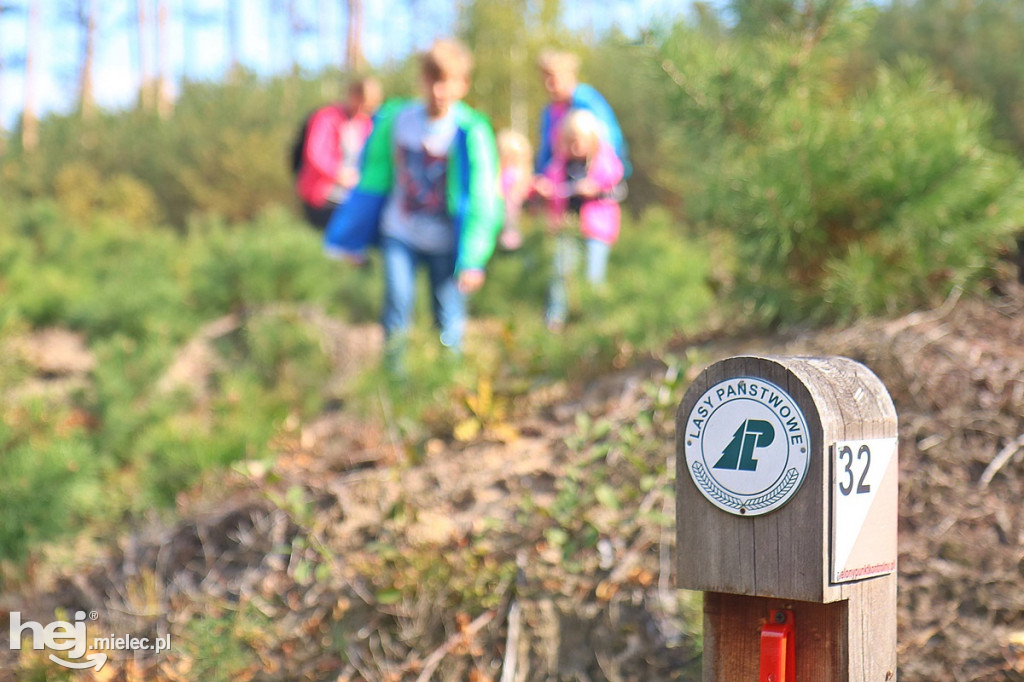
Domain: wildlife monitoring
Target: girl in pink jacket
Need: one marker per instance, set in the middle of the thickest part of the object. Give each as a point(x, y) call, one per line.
point(333, 148)
point(580, 186)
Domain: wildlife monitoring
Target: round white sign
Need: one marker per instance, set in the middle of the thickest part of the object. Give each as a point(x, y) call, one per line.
point(747, 446)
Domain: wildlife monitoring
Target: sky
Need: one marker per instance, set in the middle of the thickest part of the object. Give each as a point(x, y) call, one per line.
point(392, 29)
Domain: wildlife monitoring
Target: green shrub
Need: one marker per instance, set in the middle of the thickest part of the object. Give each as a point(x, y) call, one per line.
point(274, 259)
point(287, 358)
point(48, 487)
point(845, 192)
point(224, 151)
point(83, 194)
point(875, 204)
point(658, 285)
point(269, 369)
point(221, 646)
point(139, 294)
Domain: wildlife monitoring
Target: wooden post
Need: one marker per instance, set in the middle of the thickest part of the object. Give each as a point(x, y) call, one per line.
point(787, 478)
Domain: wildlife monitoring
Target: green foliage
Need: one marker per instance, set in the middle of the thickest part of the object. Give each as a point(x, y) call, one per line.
point(657, 284)
point(841, 195)
point(222, 646)
point(506, 39)
point(82, 193)
point(224, 151)
point(976, 46)
point(138, 295)
point(784, 17)
point(773, 161)
point(632, 78)
point(880, 202)
point(49, 484)
point(463, 578)
point(231, 268)
point(106, 277)
point(241, 161)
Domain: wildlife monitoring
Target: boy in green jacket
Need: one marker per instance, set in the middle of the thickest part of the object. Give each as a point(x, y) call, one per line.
point(428, 196)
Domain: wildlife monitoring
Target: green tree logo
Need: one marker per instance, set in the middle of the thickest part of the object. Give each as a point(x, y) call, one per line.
point(739, 453)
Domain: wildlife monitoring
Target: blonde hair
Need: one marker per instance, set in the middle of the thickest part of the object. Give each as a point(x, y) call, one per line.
point(447, 58)
point(580, 124)
point(557, 61)
point(512, 143)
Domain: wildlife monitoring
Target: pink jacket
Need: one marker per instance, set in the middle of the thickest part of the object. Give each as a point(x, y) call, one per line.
point(330, 130)
point(600, 218)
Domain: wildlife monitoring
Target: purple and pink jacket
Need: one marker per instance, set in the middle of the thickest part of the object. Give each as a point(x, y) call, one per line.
point(600, 218)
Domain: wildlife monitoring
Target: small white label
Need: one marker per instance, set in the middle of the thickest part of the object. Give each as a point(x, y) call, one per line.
point(865, 500)
point(746, 446)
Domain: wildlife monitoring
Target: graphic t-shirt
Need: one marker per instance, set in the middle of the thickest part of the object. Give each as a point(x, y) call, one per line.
point(417, 209)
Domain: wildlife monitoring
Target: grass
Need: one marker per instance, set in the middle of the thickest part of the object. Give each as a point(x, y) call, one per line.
point(96, 452)
point(138, 295)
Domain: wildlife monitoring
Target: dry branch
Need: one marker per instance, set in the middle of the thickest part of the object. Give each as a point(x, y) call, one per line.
point(463, 636)
point(1000, 460)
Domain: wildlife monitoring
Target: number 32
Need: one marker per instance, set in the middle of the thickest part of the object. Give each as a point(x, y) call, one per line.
point(845, 453)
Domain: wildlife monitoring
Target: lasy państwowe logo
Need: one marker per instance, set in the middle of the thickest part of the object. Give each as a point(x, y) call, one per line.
point(746, 446)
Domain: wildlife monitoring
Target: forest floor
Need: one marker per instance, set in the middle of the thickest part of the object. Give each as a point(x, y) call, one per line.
point(513, 553)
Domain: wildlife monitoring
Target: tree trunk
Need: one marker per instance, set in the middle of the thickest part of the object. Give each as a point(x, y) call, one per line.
point(29, 116)
point(87, 11)
point(272, 33)
point(165, 102)
point(322, 34)
point(353, 45)
point(3, 66)
point(294, 35)
point(145, 68)
point(234, 43)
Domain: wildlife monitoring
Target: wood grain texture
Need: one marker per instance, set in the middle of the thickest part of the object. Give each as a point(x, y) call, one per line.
point(732, 637)
point(749, 565)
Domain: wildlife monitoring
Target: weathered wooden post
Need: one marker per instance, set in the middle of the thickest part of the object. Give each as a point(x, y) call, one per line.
point(787, 478)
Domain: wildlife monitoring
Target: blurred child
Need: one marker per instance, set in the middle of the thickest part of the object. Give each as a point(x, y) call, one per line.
point(560, 71)
point(514, 157)
point(428, 197)
point(332, 147)
point(579, 184)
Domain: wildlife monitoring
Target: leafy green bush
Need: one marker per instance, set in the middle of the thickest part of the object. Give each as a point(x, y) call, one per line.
point(105, 278)
point(49, 485)
point(83, 194)
point(657, 285)
point(138, 295)
point(271, 260)
point(874, 204)
point(842, 195)
point(975, 46)
point(223, 152)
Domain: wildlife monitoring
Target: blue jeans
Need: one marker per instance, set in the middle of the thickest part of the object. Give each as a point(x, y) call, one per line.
point(449, 305)
point(567, 257)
